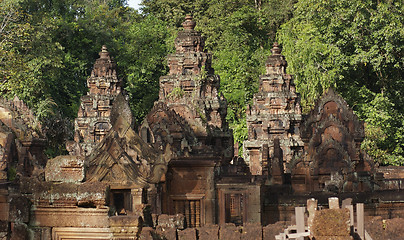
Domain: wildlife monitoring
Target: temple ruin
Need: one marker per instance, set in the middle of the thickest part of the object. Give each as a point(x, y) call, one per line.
point(175, 176)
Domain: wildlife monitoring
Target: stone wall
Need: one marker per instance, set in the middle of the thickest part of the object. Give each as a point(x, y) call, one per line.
point(216, 232)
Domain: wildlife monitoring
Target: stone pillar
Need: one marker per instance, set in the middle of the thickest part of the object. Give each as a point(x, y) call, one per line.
point(333, 203)
point(299, 211)
point(360, 220)
point(311, 208)
point(136, 195)
point(351, 215)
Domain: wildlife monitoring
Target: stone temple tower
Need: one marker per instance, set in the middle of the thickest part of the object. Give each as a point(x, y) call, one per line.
point(273, 121)
point(93, 120)
point(190, 100)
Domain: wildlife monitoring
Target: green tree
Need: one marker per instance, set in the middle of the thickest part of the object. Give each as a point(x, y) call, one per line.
point(356, 47)
point(143, 62)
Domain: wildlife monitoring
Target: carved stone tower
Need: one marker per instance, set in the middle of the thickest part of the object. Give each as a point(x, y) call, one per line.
point(273, 121)
point(188, 124)
point(93, 120)
point(191, 91)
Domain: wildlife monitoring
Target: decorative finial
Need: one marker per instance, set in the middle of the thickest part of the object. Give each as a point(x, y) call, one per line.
point(189, 24)
point(104, 52)
point(276, 50)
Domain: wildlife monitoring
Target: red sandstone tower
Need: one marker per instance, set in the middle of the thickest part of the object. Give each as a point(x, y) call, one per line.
point(93, 120)
point(273, 121)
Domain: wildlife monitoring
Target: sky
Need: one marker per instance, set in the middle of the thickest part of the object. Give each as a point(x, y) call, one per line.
point(134, 3)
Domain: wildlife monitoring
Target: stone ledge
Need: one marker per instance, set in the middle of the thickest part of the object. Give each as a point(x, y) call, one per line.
point(70, 217)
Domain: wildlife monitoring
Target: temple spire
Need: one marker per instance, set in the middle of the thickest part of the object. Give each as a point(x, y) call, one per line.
point(188, 24)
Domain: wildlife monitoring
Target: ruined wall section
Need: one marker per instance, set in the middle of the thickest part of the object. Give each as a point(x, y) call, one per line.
point(21, 139)
point(333, 160)
point(93, 118)
point(273, 120)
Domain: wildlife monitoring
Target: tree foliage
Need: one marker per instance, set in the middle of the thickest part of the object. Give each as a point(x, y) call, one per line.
point(358, 48)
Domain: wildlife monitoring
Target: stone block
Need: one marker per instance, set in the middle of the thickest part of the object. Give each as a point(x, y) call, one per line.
point(334, 238)
point(81, 233)
point(187, 234)
point(70, 217)
point(65, 169)
point(3, 175)
point(331, 222)
point(30, 185)
point(210, 232)
point(147, 233)
point(63, 194)
point(167, 233)
point(270, 231)
point(92, 193)
point(4, 211)
point(171, 221)
point(125, 225)
point(333, 203)
point(41, 233)
point(3, 226)
point(19, 231)
point(251, 231)
point(229, 231)
point(19, 209)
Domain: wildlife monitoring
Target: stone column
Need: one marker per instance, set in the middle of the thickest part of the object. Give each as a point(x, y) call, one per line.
point(136, 195)
point(333, 203)
point(299, 211)
point(311, 208)
point(360, 220)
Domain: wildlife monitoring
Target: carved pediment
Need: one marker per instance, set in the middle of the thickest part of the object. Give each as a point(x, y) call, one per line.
point(332, 108)
point(123, 157)
point(332, 134)
point(164, 127)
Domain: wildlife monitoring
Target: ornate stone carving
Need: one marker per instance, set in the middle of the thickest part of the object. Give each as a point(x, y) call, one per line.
point(93, 122)
point(123, 158)
point(21, 139)
point(333, 160)
point(190, 113)
point(275, 114)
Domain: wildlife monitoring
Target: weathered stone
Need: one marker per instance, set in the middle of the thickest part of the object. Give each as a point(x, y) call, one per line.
point(210, 232)
point(65, 169)
point(4, 226)
point(92, 194)
point(125, 226)
point(190, 108)
point(70, 217)
point(273, 121)
point(171, 221)
point(187, 234)
point(331, 222)
point(251, 231)
point(147, 233)
point(19, 209)
point(19, 231)
point(270, 231)
point(168, 233)
point(21, 140)
point(4, 207)
point(332, 135)
point(333, 203)
point(93, 122)
point(41, 233)
point(229, 231)
point(311, 209)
